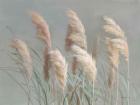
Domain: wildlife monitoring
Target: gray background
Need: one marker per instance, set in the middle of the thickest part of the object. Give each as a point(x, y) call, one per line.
point(14, 14)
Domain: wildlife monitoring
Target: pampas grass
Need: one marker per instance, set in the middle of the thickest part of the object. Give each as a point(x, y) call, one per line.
point(120, 44)
point(59, 66)
point(113, 54)
point(113, 28)
point(23, 51)
point(76, 32)
point(42, 28)
point(85, 62)
point(26, 63)
point(53, 58)
point(82, 86)
point(75, 35)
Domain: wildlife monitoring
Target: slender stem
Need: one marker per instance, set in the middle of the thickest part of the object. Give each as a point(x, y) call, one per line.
point(92, 93)
point(110, 94)
point(28, 87)
point(117, 85)
point(83, 85)
point(128, 83)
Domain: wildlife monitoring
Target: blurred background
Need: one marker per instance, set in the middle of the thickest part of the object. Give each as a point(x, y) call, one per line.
point(15, 21)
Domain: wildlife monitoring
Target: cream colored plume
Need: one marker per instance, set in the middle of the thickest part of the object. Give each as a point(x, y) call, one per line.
point(113, 55)
point(42, 28)
point(116, 45)
point(122, 46)
point(58, 64)
point(76, 32)
point(112, 28)
point(23, 51)
point(115, 48)
point(85, 62)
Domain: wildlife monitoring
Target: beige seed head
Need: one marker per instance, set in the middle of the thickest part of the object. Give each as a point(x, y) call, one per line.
point(115, 47)
point(77, 51)
point(56, 62)
point(23, 51)
point(42, 28)
point(113, 28)
point(76, 32)
point(122, 46)
point(85, 62)
point(113, 55)
point(74, 22)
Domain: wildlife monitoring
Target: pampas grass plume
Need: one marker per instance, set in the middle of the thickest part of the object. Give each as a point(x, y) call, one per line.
point(76, 32)
point(56, 62)
point(85, 62)
point(122, 46)
point(113, 28)
point(113, 54)
point(42, 28)
point(23, 51)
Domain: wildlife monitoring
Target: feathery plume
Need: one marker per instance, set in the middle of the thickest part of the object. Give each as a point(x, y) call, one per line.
point(57, 63)
point(42, 28)
point(76, 32)
point(113, 53)
point(23, 51)
point(115, 45)
point(113, 28)
point(75, 35)
point(85, 62)
point(122, 46)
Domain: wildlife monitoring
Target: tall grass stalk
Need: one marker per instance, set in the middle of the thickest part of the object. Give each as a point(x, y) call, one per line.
point(128, 82)
point(92, 93)
point(117, 86)
point(83, 86)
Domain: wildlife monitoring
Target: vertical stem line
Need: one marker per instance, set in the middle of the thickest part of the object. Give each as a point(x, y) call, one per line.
point(83, 86)
point(117, 85)
point(128, 83)
point(92, 93)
